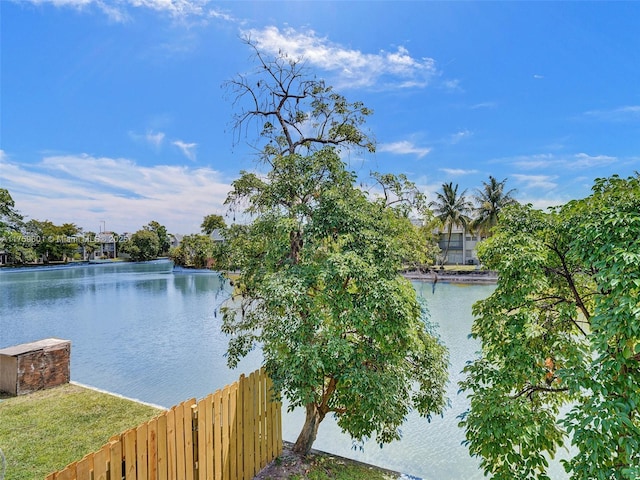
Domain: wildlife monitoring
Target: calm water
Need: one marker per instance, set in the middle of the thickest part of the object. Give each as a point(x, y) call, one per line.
point(147, 332)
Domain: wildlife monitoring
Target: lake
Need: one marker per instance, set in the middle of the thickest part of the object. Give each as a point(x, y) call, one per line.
point(152, 333)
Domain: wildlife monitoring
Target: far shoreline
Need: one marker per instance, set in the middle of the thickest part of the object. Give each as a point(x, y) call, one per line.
point(480, 277)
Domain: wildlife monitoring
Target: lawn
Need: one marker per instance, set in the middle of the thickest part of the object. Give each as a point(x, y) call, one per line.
point(45, 431)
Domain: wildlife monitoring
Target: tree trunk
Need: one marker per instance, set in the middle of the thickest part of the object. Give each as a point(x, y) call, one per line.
point(309, 430)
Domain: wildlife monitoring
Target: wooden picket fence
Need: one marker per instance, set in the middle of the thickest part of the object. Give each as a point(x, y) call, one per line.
point(229, 435)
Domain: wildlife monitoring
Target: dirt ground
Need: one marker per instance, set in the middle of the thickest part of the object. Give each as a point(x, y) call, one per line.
point(288, 465)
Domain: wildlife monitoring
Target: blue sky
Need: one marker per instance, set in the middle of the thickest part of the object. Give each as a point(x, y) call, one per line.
point(114, 111)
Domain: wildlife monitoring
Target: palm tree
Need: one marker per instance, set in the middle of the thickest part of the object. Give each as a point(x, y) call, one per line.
point(451, 210)
point(490, 200)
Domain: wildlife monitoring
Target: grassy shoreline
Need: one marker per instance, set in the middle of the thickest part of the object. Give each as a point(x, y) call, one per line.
point(44, 431)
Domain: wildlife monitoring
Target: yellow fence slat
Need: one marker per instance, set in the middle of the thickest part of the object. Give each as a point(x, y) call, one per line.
point(101, 463)
point(187, 429)
point(142, 452)
point(84, 468)
point(202, 442)
point(229, 435)
point(248, 446)
point(129, 438)
point(217, 435)
point(171, 446)
point(224, 419)
point(279, 428)
point(162, 463)
point(152, 446)
point(180, 461)
point(115, 460)
point(256, 420)
point(264, 420)
point(268, 420)
point(194, 436)
point(68, 473)
point(209, 436)
point(240, 428)
point(233, 431)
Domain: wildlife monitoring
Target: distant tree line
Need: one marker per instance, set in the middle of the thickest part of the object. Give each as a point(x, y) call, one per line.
point(23, 242)
point(36, 241)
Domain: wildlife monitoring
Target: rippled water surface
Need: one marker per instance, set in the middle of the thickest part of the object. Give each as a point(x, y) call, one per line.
point(148, 332)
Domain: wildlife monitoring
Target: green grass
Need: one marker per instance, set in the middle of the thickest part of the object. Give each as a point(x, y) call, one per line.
point(44, 431)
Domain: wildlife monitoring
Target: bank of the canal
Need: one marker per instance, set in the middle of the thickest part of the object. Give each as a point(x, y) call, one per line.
point(151, 333)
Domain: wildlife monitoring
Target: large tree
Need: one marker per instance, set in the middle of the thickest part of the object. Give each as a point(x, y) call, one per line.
point(561, 333)
point(452, 209)
point(53, 242)
point(212, 222)
point(341, 331)
point(164, 244)
point(143, 246)
point(194, 251)
point(13, 243)
point(490, 200)
point(10, 218)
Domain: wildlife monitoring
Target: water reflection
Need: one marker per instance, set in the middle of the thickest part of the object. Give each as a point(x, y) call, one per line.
point(147, 332)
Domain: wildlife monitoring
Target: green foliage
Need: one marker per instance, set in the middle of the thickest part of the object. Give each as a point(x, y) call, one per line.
point(427, 231)
point(52, 242)
point(88, 244)
point(319, 286)
point(490, 200)
point(142, 246)
point(10, 219)
point(340, 328)
point(451, 209)
point(163, 236)
point(561, 329)
point(194, 251)
point(212, 222)
point(12, 241)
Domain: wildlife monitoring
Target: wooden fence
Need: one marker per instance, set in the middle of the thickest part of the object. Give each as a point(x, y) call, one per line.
point(229, 435)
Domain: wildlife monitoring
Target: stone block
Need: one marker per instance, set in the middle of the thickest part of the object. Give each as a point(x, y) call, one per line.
point(35, 366)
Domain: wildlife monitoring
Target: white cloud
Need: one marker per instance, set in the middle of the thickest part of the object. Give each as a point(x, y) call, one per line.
point(354, 68)
point(533, 162)
point(582, 160)
point(403, 147)
point(457, 172)
point(84, 190)
point(568, 161)
point(458, 136)
point(544, 182)
point(119, 11)
point(483, 105)
point(452, 85)
point(619, 114)
point(188, 149)
point(154, 139)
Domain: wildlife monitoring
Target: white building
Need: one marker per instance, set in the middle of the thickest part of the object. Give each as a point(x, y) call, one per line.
point(462, 249)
